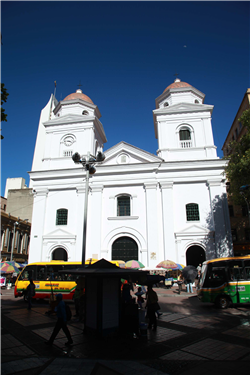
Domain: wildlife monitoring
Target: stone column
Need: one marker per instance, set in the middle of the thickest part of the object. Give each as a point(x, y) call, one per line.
point(168, 220)
point(94, 227)
point(152, 223)
point(23, 243)
point(37, 229)
point(80, 191)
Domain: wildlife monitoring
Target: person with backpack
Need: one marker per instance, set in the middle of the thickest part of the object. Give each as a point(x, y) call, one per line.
point(30, 292)
point(61, 312)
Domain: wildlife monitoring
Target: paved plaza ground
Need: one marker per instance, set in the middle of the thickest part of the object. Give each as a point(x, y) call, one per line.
point(191, 339)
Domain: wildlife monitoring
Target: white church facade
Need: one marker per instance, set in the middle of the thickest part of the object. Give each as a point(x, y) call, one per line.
point(171, 205)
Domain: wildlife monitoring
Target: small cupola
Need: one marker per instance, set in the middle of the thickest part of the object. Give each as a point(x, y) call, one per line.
point(179, 92)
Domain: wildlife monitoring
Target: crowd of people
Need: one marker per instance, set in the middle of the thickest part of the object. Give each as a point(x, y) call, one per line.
point(131, 294)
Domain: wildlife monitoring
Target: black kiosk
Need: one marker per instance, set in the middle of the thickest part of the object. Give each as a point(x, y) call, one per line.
point(104, 310)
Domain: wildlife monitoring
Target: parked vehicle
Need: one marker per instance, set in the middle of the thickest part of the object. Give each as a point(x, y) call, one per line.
point(47, 278)
point(225, 280)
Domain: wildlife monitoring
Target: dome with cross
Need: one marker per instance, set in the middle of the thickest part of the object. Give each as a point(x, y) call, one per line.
point(78, 95)
point(177, 84)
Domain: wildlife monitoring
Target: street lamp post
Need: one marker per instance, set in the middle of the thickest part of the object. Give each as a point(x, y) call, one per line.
point(242, 192)
point(88, 163)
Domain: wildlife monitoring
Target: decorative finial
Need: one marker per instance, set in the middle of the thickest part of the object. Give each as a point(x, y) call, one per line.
point(79, 90)
point(177, 79)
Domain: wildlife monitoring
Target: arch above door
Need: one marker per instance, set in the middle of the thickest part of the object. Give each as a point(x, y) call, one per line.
point(59, 254)
point(195, 255)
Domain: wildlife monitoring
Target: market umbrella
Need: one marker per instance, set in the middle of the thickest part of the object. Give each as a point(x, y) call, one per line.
point(189, 273)
point(134, 264)
point(168, 265)
point(180, 266)
point(22, 265)
point(7, 268)
point(122, 264)
point(11, 263)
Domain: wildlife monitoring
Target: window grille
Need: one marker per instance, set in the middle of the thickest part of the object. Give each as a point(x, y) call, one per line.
point(123, 206)
point(61, 216)
point(192, 212)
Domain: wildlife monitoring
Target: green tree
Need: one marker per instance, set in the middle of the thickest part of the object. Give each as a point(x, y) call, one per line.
point(238, 169)
point(4, 96)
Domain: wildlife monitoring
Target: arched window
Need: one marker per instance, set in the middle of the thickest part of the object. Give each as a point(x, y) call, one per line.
point(123, 205)
point(85, 113)
point(185, 134)
point(185, 137)
point(62, 216)
point(192, 212)
point(196, 101)
point(166, 104)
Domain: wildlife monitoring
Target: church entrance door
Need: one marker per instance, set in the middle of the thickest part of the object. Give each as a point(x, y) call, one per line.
point(124, 248)
point(195, 255)
point(59, 254)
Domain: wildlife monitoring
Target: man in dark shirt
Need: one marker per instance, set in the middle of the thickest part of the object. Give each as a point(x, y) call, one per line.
point(61, 322)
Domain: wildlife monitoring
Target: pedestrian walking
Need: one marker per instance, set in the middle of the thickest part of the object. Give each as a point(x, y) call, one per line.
point(61, 322)
point(30, 292)
point(180, 282)
point(199, 268)
point(189, 286)
point(152, 307)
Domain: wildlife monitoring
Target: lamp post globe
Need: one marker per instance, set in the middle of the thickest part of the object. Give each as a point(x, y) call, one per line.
point(88, 163)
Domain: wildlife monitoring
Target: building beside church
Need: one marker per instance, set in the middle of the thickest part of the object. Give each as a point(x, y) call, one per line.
point(239, 219)
point(171, 205)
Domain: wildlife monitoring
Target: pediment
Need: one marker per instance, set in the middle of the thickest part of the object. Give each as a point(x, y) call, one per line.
point(193, 230)
point(59, 233)
point(184, 107)
point(67, 119)
point(123, 153)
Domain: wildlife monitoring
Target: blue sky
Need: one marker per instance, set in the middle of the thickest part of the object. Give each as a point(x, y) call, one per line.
point(124, 54)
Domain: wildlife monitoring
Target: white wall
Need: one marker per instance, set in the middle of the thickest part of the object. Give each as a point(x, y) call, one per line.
point(14, 183)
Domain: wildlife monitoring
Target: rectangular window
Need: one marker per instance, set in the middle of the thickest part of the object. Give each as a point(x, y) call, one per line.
point(234, 235)
point(247, 234)
point(247, 273)
point(123, 206)
point(231, 210)
point(244, 210)
point(236, 270)
point(28, 273)
point(192, 212)
point(41, 274)
point(62, 216)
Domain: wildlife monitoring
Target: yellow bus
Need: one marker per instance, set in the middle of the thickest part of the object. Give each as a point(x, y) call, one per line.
point(47, 278)
point(225, 280)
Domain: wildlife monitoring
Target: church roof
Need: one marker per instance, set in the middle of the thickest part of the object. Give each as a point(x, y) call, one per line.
point(177, 84)
point(78, 95)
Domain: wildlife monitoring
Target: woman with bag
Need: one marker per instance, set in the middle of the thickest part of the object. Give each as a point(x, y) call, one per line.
point(152, 307)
